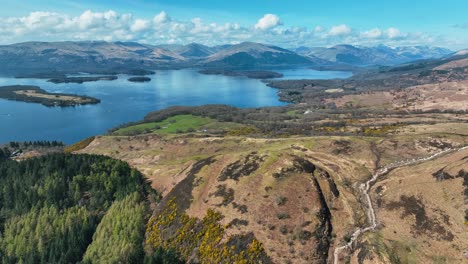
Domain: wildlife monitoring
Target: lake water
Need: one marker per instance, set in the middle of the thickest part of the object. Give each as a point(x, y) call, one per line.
point(123, 101)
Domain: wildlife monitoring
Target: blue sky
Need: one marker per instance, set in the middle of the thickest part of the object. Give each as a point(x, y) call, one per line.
point(285, 22)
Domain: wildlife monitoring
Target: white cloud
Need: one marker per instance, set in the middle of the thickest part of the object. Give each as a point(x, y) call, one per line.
point(161, 18)
point(268, 21)
point(372, 34)
point(37, 20)
point(90, 20)
point(161, 29)
point(393, 33)
point(319, 29)
point(198, 26)
point(340, 30)
point(139, 25)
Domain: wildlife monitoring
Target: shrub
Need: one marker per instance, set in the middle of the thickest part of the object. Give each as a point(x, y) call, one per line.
point(79, 145)
point(283, 216)
point(305, 235)
point(347, 238)
point(281, 200)
point(283, 229)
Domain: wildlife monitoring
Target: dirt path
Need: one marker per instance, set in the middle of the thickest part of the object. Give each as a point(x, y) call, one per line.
point(365, 188)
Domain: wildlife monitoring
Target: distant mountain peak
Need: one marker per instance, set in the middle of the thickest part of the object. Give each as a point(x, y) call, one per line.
point(377, 55)
point(255, 54)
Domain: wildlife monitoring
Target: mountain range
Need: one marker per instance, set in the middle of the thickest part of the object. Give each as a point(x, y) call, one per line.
point(122, 57)
point(378, 55)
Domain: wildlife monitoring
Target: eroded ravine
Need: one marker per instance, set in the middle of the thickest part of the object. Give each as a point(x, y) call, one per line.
point(365, 188)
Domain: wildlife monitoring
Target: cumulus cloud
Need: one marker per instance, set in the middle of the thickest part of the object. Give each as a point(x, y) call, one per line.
point(372, 34)
point(139, 25)
point(393, 33)
point(268, 21)
point(162, 29)
point(340, 30)
point(161, 18)
point(37, 20)
point(388, 34)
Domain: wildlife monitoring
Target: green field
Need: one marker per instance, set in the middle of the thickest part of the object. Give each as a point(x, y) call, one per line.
point(292, 113)
point(177, 124)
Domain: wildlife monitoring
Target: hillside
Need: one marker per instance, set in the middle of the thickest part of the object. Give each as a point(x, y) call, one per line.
point(458, 60)
point(54, 207)
point(299, 197)
point(444, 96)
point(449, 71)
point(418, 203)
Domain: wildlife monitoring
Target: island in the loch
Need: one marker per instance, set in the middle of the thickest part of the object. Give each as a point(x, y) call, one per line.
point(249, 74)
point(34, 94)
point(139, 79)
point(82, 79)
point(54, 74)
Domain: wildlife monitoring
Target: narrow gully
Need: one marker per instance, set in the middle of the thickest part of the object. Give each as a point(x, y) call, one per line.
point(365, 188)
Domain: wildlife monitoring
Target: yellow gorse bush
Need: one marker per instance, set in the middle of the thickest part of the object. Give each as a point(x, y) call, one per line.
point(171, 229)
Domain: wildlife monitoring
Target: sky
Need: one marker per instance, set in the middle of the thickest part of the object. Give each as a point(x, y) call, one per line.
point(287, 23)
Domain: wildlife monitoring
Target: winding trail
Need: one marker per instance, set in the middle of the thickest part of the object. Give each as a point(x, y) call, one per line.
point(365, 187)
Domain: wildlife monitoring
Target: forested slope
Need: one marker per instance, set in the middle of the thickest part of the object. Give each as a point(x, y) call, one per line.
point(56, 208)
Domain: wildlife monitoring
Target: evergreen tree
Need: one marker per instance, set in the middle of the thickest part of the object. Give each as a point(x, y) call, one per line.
point(51, 206)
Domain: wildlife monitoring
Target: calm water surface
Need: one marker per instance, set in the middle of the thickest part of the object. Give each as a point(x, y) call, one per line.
point(122, 101)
